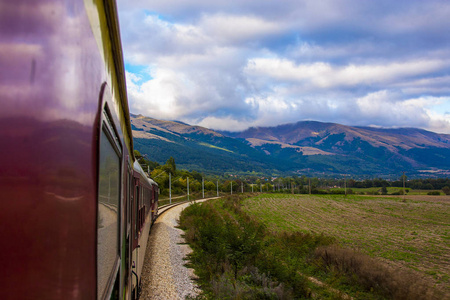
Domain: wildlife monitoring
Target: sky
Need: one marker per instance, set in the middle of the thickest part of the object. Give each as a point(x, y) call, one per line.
point(230, 65)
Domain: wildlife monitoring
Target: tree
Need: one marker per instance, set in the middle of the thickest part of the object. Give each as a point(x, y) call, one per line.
point(170, 163)
point(428, 186)
point(210, 186)
point(446, 190)
point(196, 175)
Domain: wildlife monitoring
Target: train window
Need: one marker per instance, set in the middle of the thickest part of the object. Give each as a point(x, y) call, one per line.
point(108, 209)
point(136, 224)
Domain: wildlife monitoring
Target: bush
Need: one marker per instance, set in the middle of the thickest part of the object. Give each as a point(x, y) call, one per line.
point(373, 275)
point(233, 254)
point(373, 193)
point(337, 192)
point(397, 193)
point(434, 193)
point(446, 190)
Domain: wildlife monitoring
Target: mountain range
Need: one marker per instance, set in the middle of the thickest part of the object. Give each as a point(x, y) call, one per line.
point(307, 147)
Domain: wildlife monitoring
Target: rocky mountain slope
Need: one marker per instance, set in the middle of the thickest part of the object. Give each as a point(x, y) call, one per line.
point(303, 147)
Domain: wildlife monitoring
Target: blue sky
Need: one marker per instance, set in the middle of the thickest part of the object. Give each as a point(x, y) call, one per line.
point(230, 65)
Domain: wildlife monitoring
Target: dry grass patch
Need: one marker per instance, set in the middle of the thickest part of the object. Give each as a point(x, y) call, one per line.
point(411, 233)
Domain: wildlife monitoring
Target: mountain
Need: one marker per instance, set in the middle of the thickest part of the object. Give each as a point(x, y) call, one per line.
point(308, 146)
point(198, 148)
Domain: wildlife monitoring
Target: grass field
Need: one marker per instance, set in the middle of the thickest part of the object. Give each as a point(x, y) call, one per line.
point(390, 190)
point(411, 233)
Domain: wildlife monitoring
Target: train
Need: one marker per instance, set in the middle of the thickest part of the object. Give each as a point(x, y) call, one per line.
point(76, 208)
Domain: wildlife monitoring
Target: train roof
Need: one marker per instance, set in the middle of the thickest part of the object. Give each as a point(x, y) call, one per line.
point(137, 167)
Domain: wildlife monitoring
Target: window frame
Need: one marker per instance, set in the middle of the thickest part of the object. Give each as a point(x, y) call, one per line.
point(108, 128)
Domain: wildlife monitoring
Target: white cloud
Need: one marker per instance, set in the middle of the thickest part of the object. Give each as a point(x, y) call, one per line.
point(224, 123)
point(390, 111)
point(157, 97)
point(256, 63)
point(232, 29)
point(325, 75)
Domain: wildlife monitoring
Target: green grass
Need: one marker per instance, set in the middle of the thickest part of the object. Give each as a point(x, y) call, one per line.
point(390, 190)
point(215, 147)
point(407, 233)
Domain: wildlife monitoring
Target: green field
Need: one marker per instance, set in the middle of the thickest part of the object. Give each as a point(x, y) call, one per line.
point(412, 233)
point(390, 190)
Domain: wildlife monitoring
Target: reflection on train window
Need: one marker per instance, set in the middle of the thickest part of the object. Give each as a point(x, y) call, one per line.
point(108, 211)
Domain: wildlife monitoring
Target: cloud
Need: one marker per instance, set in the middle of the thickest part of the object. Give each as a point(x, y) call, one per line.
point(224, 123)
point(325, 75)
point(234, 29)
point(231, 65)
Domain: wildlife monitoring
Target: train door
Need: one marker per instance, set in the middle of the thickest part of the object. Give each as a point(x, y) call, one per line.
point(156, 200)
point(137, 194)
point(128, 233)
point(135, 236)
point(154, 203)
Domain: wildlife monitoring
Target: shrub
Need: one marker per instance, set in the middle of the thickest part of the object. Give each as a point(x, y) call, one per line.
point(233, 254)
point(372, 274)
point(434, 193)
point(398, 192)
point(337, 192)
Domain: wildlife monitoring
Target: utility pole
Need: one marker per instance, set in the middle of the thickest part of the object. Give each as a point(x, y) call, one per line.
point(217, 186)
point(309, 182)
point(170, 187)
point(404, 191)
point(252, 187)
point(345, 185)
point(188, 187)
point(203, 187)
point(260, 187)
point(242, 187)
point(309, 185)
point(231, 187)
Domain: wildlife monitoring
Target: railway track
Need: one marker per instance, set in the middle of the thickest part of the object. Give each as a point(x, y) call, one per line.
point(166, 207)
point(164, 275)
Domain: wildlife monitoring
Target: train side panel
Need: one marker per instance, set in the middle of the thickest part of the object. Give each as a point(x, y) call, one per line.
point(60, 63)
point(142, 221)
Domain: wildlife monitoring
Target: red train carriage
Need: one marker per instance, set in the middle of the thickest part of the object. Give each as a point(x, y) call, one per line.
point(143, 213)
point(72, 199)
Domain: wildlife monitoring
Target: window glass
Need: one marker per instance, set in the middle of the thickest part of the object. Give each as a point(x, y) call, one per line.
point(108, 212)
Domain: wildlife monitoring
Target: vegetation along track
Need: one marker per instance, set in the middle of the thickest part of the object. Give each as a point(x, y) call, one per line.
point(411, 233)
point(165, 275)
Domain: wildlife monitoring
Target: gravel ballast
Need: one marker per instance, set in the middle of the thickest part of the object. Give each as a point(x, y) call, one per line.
point(164, 275)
